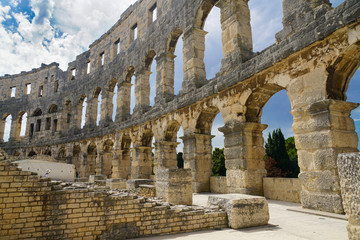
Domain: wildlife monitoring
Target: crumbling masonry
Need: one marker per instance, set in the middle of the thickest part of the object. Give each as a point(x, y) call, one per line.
point(315, 56)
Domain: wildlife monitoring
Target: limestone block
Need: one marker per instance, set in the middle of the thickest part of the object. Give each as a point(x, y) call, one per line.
point(218, 184)
point(349, 173)
point(320, 181)
point(93, 178)
point(135, 183)
point(322, 201)
point(147, 190)
point(116, 183)
point(243, 210)
point(174, 186)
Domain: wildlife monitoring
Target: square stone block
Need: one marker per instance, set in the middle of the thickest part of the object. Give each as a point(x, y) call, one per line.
point(243, 210)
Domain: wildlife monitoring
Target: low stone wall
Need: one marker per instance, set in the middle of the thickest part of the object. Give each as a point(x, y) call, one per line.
point(283, 189)
point(349, 173)
point(218, 184)
point(33, 207)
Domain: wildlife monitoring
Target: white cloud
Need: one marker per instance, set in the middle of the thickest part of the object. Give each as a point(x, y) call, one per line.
point(82, 22)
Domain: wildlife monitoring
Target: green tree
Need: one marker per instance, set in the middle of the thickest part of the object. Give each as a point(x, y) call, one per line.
point(218, 159)
point(278, 154)
point(180, 160)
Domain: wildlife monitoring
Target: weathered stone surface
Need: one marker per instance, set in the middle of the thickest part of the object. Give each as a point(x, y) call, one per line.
point(218, 184)
point(283, 189)
point(174, 186)
point(243, 210)
point(315, 56)
point(349, 173)
point(116, 183)
point(35, 208)
point(135, 183)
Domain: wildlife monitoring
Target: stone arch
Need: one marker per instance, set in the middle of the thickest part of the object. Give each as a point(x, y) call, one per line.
point(112, 84)
point(5, 126)
point(341, 72)
point(129, 73)
point(37, 112)
point(95, 110)
point(149, 59)
point(47, 152)
point(173, 39)
point(53, 108)
point(81, 111)
point(205, 120)
point(21, 123)
point(32, 153)
point(257, 100)
point(203, 12)
point(171, 130)
point(96, 92)
point(108, 146)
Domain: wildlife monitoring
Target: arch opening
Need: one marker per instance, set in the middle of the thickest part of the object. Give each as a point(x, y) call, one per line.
point(83, 102)
point(7, 127)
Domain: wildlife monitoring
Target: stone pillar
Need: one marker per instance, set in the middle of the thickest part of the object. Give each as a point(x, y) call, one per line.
point(193, 57)
point(141, 164)
point(123, 101)
point(174, 186)
point(76, 123)
point(84, 168)
point(349, 172)
point(106, 108)
point(165, 155)
point(165, 69)
point(198, 157)
point(13, 130)
point(2, 130)
point(236, 30)
point(244, 153)
point(297, 13)
point(322, 130)
point(91, 112)
point(142, 92)
point(99, 161)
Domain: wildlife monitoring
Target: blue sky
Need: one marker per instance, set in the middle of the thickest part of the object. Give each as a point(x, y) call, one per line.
point(43, 31)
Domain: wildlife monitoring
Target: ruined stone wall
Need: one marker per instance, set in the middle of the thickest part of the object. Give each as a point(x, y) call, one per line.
point(283, 189)
point(36, 208)
point(313, 60)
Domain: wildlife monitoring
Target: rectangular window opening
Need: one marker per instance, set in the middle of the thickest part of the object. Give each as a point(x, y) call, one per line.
point(41, 89)
point(102, 58)
point(38, 125)
point(153, 13)
point(73, 73)
point(28, 88)
point(56, 86)
point(48, 124)
point(117, 46)
point(134, 32)
point(88, 68)
point(68, 119)
point(31, 133)
point(13, 91)
point(55, 125)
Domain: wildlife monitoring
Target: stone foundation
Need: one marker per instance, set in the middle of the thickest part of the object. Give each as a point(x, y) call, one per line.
point(34, 207)
point(349, 173)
